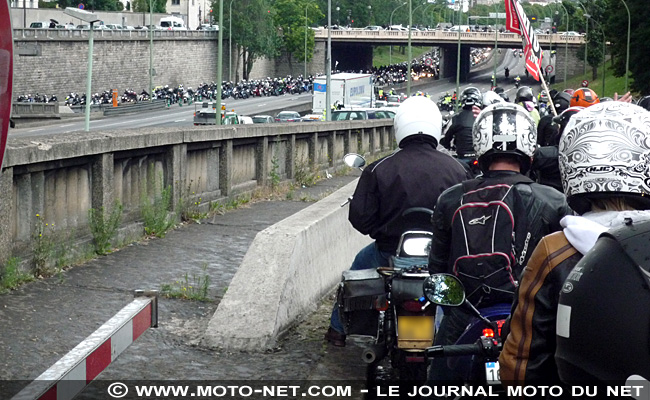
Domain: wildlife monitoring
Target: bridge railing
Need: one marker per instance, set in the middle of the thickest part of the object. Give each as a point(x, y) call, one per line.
point(76, 34)
point(58, 179)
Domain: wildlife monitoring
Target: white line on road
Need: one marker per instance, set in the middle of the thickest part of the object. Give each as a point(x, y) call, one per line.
point(261, 105)
point(66, 125)
point(181, 120)
point(36, 130)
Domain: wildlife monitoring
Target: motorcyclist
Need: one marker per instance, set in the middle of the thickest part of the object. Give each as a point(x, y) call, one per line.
point(517, 80)
point(504, 139)
point(546, 129)
point(412, 176)
point(525, 98)
point(506, 72)
point(460, 130)
point(605, 196)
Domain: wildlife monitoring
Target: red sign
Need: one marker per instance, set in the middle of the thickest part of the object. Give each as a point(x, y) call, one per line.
point(549, 69)
point(6, 74)
point(517, 22)
point(428, 61)
point(585, 83)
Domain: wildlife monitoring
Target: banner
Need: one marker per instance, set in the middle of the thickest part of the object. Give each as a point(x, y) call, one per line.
point(517, 22)
point(6, 73)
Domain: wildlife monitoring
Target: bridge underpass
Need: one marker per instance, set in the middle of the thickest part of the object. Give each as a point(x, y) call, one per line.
point(352, 49)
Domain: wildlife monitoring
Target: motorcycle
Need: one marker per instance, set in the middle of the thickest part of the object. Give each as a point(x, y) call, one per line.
point(387, 303)
point(476, 352)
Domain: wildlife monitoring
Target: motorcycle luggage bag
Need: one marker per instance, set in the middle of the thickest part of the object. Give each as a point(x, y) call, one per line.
point(357, 296)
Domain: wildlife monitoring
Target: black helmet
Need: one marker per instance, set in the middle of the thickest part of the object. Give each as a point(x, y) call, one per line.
point(504, 96)
point(471, 97)
point(561, 101)
point(603, 326)
point(524, 93)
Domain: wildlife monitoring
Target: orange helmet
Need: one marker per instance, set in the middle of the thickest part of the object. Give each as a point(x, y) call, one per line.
point(584, 97)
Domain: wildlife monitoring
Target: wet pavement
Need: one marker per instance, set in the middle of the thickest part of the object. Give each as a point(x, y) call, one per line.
point(43, 320)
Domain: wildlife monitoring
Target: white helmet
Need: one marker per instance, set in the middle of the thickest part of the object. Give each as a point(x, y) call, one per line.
point(504, 128)
point(491, 97)
point(417, 115)
point(607, 153)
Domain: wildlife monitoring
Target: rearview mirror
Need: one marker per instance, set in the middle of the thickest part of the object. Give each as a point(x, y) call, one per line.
point(354, 160)
point(444, 290)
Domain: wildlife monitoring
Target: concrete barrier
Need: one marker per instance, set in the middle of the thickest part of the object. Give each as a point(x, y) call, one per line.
point(35, 110)
point(287, 270)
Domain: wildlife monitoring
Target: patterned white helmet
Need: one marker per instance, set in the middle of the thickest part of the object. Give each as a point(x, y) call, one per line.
point(417, 115)
point(504, 128)
point(606, 152)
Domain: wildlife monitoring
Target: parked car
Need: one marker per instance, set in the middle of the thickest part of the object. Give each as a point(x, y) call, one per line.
point(114, 27)
point(373, 28)
point(263, 119)
point(288, 116)
point(207, 27)
point(39, 25)
point(349, 115)
point(313, 118)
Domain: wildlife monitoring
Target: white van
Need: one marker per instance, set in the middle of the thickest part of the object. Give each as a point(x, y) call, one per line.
point(172, 23)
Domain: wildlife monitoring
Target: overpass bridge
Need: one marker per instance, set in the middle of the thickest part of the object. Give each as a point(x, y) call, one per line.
point(353, 48)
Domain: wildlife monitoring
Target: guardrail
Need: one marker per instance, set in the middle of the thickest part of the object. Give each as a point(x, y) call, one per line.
point(35, 110)
point(134, 108)
point(105, 34)
point(74, 371)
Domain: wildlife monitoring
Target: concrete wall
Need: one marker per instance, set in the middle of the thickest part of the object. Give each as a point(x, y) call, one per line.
point(61, 178)
point(289, 267)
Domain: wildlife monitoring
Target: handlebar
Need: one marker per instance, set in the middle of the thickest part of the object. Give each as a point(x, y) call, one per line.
point(484, 346)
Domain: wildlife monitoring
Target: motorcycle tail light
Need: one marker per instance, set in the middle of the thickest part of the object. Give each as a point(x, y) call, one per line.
point(381, 303)
point(475, 162)
point(412, 306)
point(488, 332)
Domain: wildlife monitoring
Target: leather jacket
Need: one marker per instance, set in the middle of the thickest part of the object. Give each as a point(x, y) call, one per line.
point(545, 168)
point(413, 176)
point(544, 207)
point(460, 132)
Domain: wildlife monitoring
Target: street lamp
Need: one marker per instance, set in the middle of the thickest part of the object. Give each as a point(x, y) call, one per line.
point(408, 64)
point(306, 28)
point(627, 57)
point(370, 15)
point(390, 23)
point(150, 50)
point(229, 42)
point(328, 67)
point(91, 18)
point(458, 65)
point(220, 63)
point(338, 19)
point(604, 48)
point(587, 16)
point(566, 42)
point(496, 44)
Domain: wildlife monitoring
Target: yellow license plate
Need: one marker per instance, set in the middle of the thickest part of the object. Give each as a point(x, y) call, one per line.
point(415, 332)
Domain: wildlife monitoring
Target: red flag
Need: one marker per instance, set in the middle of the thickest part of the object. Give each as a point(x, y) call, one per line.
point(517, 22)
point(6, 74)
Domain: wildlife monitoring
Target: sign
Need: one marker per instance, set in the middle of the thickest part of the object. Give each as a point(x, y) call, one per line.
point(319, 87)
point(6, 74)
point(517, 22)
point(549, 69)
point(81, 6)
point(585, 83)
point(428, 61)
point(497, 15)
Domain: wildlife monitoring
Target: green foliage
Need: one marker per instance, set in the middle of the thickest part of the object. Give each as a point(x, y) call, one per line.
point(159, 6)
point(104, 227)
point(305, 174)
point(155, 212)
point(289, 17)
point(43, 246)
point(11, 276)
point(189, 205)
point(194, 288)
point(275, 173)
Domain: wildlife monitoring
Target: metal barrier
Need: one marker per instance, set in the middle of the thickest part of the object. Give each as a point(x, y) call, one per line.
point(74, 371)
point(134, 108)
point(35, 110)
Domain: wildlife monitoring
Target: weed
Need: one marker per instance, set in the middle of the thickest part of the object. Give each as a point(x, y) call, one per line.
point(305, 173)
point(43, 246)
point(275, 173)
point(12, 277)
point(195, 288)
point(104, 227)
point(189, 205)
point(155, 212)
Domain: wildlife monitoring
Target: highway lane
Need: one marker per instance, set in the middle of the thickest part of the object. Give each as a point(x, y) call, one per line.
point(176, 116)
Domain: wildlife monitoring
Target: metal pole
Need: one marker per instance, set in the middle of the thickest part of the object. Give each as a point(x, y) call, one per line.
point(458, 65)
point(305, 75)
point(627, 57)
point(220, 63)
point(408, 65)
point(390, 23)
point(496, 44)
point(229, 42)
point(89, 76)
point(328, 67)
point(586, 15)
point(566, 43)
point(150, 51)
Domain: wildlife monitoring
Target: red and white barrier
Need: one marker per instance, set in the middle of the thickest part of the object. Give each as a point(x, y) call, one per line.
point(74, 371)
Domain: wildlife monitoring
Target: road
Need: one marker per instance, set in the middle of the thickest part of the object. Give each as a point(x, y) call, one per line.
point(176, 116)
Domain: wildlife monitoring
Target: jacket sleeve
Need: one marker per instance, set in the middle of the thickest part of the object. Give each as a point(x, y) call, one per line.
point(441, 241)
point(364, 206)
point(449, 135)
point(528, 350)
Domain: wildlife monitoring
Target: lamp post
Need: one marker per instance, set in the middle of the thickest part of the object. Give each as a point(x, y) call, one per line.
point(220, 63)
point(369, 15)
point(338, 19)
point(604, 48)
point(458, 65)
point(328, 67)
point(566, 42)
point(627, 57)
point(150, 51)
point(306, 28)
point(496, 44)
point(390, 23)
point(408, 65)
point(91, 18)
point(587, 16)
point(229, 41)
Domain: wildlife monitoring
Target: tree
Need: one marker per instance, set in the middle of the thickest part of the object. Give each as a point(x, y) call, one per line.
point(289, 17)
point(159, 6)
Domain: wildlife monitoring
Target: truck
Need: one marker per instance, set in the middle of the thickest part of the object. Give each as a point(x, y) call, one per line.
point(348, 90)
point(207, 115)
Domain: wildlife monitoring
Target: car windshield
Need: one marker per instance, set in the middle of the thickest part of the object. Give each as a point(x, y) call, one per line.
point(259, 120)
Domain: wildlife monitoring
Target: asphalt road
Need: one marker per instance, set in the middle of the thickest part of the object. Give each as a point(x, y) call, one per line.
point(176, 116)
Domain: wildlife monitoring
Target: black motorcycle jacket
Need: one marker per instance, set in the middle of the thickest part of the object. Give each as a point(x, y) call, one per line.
point(542, 205)
point(460, 132)
point(545, 168)
point(413, 176)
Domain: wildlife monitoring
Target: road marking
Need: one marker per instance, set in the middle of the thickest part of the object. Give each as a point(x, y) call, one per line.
point(261, 105)
point(36, 130)
point(180, 120)
point(66, 125)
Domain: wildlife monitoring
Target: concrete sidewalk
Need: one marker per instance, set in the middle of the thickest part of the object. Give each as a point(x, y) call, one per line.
point(43, 320)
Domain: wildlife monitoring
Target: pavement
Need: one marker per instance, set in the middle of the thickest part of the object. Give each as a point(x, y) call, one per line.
point(43, 320)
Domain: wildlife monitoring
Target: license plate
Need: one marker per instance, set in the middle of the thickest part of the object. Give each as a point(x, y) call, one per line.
point(492, 373)
point(415, 331)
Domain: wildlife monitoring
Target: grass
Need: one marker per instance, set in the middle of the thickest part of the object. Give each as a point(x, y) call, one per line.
point(194, 288)
point(12, 277)
point(612, 84)
point(381, 55)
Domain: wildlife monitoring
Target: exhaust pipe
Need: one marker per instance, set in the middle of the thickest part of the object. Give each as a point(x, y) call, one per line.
point(373, 354)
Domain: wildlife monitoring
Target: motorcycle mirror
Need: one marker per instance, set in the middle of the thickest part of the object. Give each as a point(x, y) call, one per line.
point(354, 160)
point(444, 290)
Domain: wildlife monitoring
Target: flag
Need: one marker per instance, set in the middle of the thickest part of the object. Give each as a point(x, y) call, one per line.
point(517, 22)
